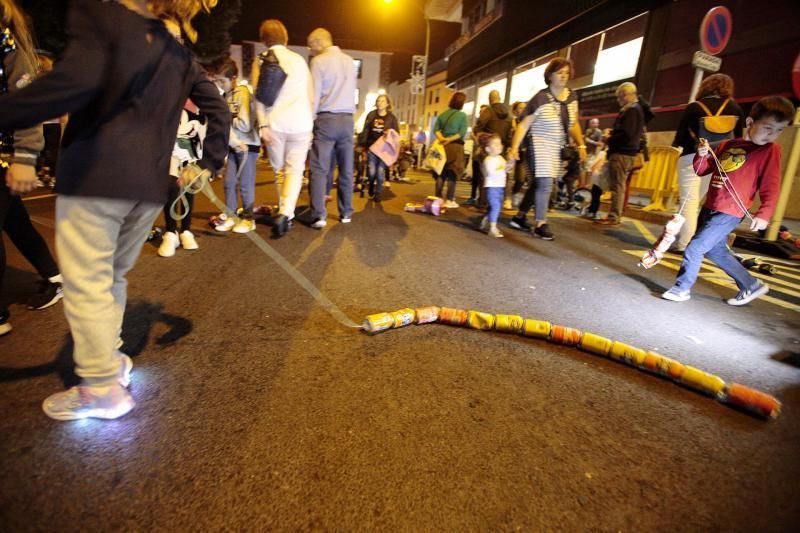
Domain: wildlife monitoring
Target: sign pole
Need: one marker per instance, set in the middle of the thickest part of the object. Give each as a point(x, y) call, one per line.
point(698, 78)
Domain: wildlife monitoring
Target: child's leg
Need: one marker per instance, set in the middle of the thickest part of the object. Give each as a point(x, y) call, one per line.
point(714, 228)
point(494, 196)
point(172, 194)
point(229, 186)
point(247, 183)
point(724, 259)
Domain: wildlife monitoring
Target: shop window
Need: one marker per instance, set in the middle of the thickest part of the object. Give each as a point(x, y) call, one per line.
point(618, 62)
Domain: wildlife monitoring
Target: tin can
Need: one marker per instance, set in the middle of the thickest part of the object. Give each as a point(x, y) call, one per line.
point(453, 317)
point(564, 335)
point(481, 321)
point(752, 400)
point(378, 322)
point(426, 315)
point(702, 381)
point(595, 344)
point(508, 323)
point(664, 242)
point(675, 224)
point(536, 328)
point(627, 354)
point(403, 317)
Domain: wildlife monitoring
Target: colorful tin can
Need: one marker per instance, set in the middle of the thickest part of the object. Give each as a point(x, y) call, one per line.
point(702, 381)
point(595, 344)
point(627, 354)
point(426, 315)
point(454, 317)
point(482, 321)
point(508, 323)
point(754, 401)
point(378, 322)
point(564, 335)
point(403, 317)
point(536, 328)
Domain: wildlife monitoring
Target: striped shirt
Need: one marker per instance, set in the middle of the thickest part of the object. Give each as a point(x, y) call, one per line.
point(547, 133)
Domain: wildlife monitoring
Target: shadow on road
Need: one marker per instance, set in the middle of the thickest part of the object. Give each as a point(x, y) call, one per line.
point(140, 317)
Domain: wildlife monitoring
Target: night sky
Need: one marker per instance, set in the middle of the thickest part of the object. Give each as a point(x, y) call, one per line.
point(358, 24)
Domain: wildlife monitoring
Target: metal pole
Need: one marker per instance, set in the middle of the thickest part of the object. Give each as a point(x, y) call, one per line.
point(698, 77)
point(786, 187)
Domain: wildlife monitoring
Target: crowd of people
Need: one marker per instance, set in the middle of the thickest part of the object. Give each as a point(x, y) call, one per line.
point(182, 120)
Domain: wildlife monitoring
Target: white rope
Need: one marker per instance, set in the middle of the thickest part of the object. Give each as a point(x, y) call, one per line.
point(726, 182)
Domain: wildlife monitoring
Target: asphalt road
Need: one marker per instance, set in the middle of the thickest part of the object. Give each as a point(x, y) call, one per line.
point(258, 411)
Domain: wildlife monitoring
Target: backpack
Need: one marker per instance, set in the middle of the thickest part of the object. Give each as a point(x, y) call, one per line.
point(716, 127)
point(270, 78)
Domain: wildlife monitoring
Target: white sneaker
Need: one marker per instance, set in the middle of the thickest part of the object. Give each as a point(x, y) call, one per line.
point(245, 225)
point(226, 225)
point(345, 220)
point(494, 232)
point(187, 241)
point(674, 294)
point(747, 296)
point(89, 402)
point(450, 204)
point(319, 223)
point(484, 224)
point(169, 243)
point(507, 203)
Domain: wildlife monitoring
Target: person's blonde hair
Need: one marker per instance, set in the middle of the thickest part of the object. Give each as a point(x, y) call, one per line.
point(14, 20)
point(272, 32)
point(182, 11)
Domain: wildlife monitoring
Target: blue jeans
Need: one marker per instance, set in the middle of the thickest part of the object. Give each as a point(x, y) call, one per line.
point(246, 181)
point(711, 241)
point(538, 195)
point(494, 196)
point(333, 140)
point(376, 172)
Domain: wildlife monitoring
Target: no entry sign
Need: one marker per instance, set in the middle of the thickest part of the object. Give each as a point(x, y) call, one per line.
point(715, 30)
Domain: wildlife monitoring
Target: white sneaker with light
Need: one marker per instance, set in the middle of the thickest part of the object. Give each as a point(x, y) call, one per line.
point(245, 225)
point(319, 223)
point(188, 241)
point(84, 401)
point(345, 220)
point(450, 204)
point(169, 243)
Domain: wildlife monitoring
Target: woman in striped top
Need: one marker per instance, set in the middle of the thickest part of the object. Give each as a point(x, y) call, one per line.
point(548, 116)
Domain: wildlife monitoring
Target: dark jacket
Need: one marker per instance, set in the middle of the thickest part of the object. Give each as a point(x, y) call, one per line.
point(496, 119)
point(687, 133)
point(123, 79)
point(629, 127)
point(373, 130)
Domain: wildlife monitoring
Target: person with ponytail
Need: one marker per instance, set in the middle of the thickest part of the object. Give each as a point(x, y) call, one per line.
point(124, 80)
point(19, 150)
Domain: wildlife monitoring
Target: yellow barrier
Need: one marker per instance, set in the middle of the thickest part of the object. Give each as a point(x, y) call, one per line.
point(659, 176)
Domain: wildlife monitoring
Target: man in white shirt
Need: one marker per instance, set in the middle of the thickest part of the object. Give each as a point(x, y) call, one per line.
point(333, 74)
point(285, 127)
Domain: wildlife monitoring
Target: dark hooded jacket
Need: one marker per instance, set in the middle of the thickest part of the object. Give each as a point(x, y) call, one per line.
point(496, 119)
point(629, 128)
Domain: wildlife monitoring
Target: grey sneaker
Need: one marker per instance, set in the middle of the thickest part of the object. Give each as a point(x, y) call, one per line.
point(748, 295)
point(89, 402)
point(674, 294)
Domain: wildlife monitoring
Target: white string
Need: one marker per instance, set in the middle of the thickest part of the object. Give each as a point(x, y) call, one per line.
point(729, 186)
point(200, 182)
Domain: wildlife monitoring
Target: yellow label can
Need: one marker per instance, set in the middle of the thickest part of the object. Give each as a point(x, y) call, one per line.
point(478, 320)
point(426, 315)
point(596, 344)
point(403, 317)
point(508, 323)
point(378, 322)
point(627, 354)
point(702, 381)
point(536, 328)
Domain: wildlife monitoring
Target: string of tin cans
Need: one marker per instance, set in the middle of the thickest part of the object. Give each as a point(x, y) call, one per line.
point(752, 400)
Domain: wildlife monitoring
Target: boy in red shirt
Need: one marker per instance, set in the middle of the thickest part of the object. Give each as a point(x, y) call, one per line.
point(752, 165)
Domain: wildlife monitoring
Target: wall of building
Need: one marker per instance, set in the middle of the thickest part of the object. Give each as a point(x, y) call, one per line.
point(437, 98)
point(407, 107)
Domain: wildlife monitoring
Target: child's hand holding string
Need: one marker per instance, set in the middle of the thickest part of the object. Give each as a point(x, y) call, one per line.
point(703, 148)
point(758, 224)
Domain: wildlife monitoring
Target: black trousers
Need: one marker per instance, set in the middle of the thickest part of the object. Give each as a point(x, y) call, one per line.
point(172, 194)
point(17, 225)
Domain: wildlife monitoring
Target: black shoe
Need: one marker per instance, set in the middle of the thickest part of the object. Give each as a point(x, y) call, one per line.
point(544, 233)
point(49, 294)
point(520, 223)
point(280, 226)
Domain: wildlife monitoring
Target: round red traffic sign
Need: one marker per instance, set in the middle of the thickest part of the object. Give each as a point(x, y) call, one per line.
point(715, 30)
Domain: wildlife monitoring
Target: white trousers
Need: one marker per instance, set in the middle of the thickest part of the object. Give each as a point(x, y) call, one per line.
point(692, 188)
point(287, 155)
point(98, 241)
